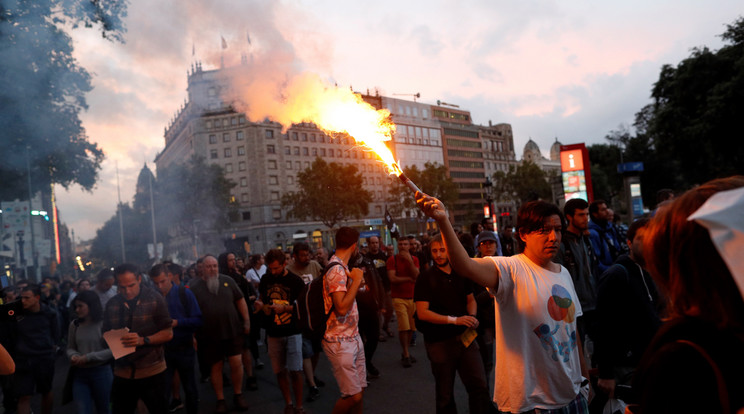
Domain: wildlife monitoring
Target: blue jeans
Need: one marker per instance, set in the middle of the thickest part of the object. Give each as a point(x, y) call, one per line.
point(91, 387)
point(182, 360)
point(449, 357)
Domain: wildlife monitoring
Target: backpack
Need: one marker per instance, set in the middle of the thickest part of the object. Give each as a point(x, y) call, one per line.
point(311, 306)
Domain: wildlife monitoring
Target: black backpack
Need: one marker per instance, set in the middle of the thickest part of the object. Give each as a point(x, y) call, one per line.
point(311, 307)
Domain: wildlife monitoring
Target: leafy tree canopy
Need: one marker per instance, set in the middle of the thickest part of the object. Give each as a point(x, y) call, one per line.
point(526, 182)
point(42, 91)
point(690, 133)
point(330, 193)
point(432, 180)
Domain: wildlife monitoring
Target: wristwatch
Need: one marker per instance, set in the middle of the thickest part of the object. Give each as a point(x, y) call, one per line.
point(146, 340)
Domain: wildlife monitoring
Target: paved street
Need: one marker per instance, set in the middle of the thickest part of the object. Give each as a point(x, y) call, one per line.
point(398, 390)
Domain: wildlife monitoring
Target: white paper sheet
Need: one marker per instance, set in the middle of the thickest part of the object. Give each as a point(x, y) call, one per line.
point(723, 216)
point(113, 339)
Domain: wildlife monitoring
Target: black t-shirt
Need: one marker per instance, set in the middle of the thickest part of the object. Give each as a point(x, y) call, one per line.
point(285, 290)
point(447, 295)
point(380, 261)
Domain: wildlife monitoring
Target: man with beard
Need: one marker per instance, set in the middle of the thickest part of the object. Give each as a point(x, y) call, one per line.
point(446, 310)
point(279, 289)
point(225, 316)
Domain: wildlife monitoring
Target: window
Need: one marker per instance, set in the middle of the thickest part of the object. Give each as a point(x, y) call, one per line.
point(276, 214)
point(315, 152)
point(303, 137)
point(364, 180)
point(209, 124)
point(241, 150)
point(213, 154)
point(244, 182)
point(305, 151)
point(312, 137)
point(233, 121)
point(307, 164)
point(246, 216)
point(290, 180)
point(294, 136)
point(379, 182)
point(270, 149)
point(272, 164)
point(228, 152)
point(239, 135)
point(269, 133)
point(347, 154)
point(287, 150)
point(298, 165)
point(322, 152)
point(228, 168)
point(241, 119)
point(244, 198)
point(330, 153)
point(213, 139)
point(353, 154)
point(425, 113)
point(289, 165)
point(296, 150)
point(321, 138)
point(274, 196)
point(415, 111)
point(241, 166)
point(338, 153)
point(232, 198)
point(273, 180)
point(224, 122)
point(378, 210)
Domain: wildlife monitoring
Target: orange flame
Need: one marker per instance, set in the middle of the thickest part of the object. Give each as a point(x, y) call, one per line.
point(306, 98)
point(368, 126)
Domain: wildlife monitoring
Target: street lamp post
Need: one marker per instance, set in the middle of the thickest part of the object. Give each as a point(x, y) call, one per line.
point(488, 186)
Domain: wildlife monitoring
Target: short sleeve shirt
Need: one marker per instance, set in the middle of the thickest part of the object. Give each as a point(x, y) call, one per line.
point(401, 290)
point(306, 273)
point(536, 312)
point(339, 328)
point(219, 312)
point(447, 294)
point(281, 290)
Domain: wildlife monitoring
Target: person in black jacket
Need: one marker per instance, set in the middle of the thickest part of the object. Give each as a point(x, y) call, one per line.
point(627, 314)
point(37, 333)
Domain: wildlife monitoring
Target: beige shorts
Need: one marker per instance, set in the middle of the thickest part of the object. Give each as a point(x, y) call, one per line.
point(404, 310)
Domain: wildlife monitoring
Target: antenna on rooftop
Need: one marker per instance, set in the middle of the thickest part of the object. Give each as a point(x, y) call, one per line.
point(415, 95)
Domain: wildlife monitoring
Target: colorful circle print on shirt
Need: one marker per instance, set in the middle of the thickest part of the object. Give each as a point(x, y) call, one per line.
point(560, 305)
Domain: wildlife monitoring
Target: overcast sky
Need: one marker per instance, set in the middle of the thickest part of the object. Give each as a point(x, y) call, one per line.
point(572, 70)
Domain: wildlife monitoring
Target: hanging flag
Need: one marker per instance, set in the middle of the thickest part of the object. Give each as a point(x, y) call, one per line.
point(248, 38)
point(224, 43)
point(391, 224)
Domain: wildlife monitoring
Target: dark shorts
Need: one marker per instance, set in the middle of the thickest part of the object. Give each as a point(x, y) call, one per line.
point(217, 350)
point(311, 347)
point(34, 375)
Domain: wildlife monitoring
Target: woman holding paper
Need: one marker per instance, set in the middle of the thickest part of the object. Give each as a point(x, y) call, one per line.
point(89, 356)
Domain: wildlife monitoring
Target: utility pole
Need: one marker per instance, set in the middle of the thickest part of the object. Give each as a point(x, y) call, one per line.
point(121, 221)
point(152, 215)
point(37, 276)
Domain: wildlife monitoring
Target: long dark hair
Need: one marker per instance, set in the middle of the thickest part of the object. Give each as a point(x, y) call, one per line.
point(90, 298)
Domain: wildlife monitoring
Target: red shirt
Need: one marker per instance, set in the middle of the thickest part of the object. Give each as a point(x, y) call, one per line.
point(401, 290)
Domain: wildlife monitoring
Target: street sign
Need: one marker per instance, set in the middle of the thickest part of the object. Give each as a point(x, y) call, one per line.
point(373, 222)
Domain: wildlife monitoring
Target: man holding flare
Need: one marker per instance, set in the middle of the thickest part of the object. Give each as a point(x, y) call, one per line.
point(539, 363)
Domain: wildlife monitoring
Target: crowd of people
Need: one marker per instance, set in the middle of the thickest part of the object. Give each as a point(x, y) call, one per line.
point(568, 311)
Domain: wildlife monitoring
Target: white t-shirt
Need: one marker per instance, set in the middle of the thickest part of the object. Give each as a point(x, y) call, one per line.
point(254, 276)
point(537, 357)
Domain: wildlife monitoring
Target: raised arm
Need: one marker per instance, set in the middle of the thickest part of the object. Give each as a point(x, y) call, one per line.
point(479, 270)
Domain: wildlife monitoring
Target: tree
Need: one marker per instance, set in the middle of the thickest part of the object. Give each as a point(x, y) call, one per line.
point(432, 180)
point(526, 182)
point(42, 92)
point(694, 123)
point(182, 194)
point(330, 193)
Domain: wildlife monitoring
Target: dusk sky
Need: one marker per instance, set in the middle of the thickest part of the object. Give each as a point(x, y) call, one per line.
point(571, 70)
